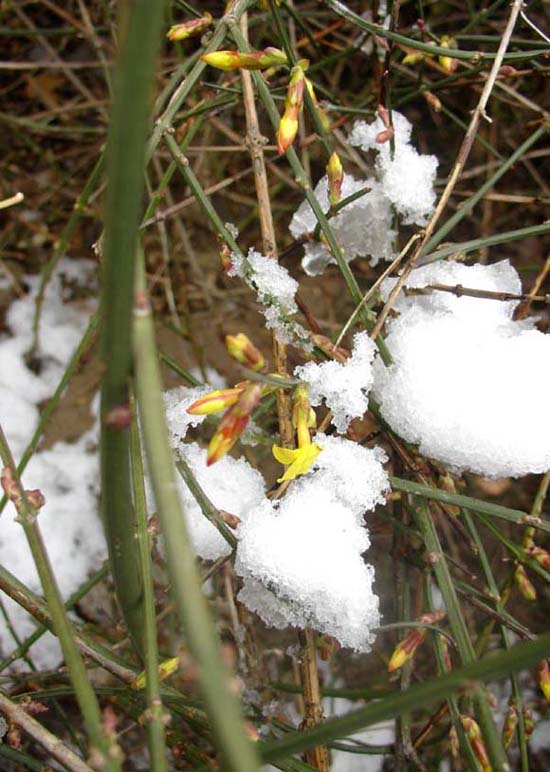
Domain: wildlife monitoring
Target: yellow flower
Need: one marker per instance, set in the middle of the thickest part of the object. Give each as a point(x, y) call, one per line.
point(299, 461)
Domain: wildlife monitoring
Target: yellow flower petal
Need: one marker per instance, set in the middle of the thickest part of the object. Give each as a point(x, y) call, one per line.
point(299, 460)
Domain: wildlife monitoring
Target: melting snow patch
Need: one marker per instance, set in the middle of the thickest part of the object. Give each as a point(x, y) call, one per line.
point(469, 385)
point(67, 474)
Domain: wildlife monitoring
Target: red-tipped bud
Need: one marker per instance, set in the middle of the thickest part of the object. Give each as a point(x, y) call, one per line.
point(544, 678)
point(244, 351)
point(507, 71)
point(447, 62)
point(233, 423)
point(189, 29)
point(405, 650)
point(446, 654)
point(524, 584)
point(230, 519)
point(214, 401)
point(384, 136)
point(541, 556)
point(294, 102)
point(250, 60)
point(474, 736)
point(335, 174)
point(509, 727)
point(432, 617)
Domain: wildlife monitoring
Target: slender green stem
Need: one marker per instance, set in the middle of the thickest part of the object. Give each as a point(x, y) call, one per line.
point(465, 648)
point(467, 502)
point(467, 206)
point(463, 679)
point(87, 701)
point(234, 746)
point(126, 161)
point(154, 715)
point(60, 246)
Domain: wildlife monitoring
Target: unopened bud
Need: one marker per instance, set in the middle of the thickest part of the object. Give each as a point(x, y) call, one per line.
point(118, 417)
point(244, 351)
point(189, 29)
point(447, 62)
point(35, 498)
point(454, 744)
point(249, 60)
point(165, 669)
point(541, 556)
point(478, 746)
point(301, 415)
point(294, 102)
point(433, 101)
point(447, 483)
point(524, 584)
point(384, 136)
point(233, 423)
point(509, 727)
point(230, 519)
point(528, 721)
point(335, 174)
point(405, 650)
point(327, 646)
point(214, 401)
point(544, 678)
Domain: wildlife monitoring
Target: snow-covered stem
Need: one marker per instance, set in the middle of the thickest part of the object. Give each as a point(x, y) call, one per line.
point(222, 706)
point(154, 715)
point(52, 744)
point(86, 698)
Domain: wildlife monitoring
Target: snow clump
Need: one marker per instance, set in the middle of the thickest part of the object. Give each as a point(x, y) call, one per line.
point(468, 384)
point(344, 387)
point(403, 181)
point(407, 177)
point(286, 547)
point(362, 228)
point(276, 291)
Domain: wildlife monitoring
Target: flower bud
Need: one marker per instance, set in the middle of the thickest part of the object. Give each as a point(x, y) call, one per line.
point(249, 60)
point(433, 101)
point(294, 102)
point(405, 650)
point(524, 584)
point(478, 746)
point(214, 401)
point(447, 62)
point(233, 423)
point(189, 29)
point(541, 556)
point(335, 174)
point(165, 669)
point(454, 744)
point(544, 678)
point(509, 727)
point(447, 483)
point(301, 415)
point(244, 351)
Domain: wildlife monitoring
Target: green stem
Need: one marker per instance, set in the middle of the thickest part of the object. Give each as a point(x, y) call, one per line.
point(467, 502)
point(125, 164)
point(156, 734)
point(465, 648)
point(235, 748)
point(85, 695)
point(492, 667)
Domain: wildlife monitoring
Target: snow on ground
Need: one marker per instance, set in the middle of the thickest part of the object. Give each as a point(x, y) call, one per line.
point(469, 384)
point(67, 473)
